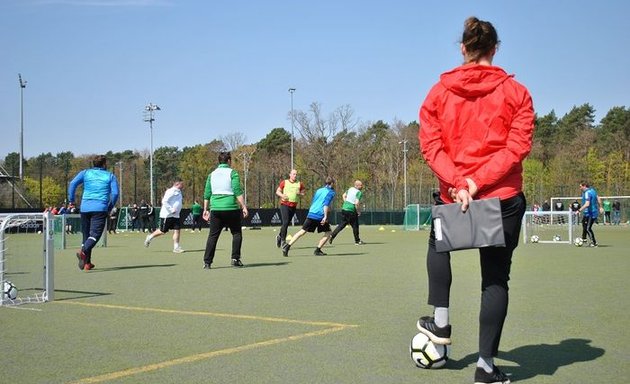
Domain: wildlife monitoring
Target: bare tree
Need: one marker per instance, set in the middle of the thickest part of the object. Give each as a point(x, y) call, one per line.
point(233, 140)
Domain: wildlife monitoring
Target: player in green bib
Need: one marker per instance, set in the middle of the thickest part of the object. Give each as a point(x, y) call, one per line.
point(350, 212)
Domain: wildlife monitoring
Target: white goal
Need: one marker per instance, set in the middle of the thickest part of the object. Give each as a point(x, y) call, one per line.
point(547, 227)
point(26, 258)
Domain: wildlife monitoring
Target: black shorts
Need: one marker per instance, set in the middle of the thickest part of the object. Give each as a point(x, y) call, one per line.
point(169, 223)
point(311, 224)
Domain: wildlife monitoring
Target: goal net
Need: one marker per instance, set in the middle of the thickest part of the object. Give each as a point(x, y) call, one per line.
point(416, 217)
point(26, 258)
point(67, 232)
point(547, 227)
point(616, 208)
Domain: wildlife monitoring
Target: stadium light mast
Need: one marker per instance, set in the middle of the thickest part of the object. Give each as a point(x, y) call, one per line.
point(246, 159)
point(120, 183)
point(149, 111)
point(404, 143)
point(291, 90)
point(22, 86)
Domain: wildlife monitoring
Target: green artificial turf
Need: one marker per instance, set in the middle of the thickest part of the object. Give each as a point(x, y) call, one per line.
point(147, 315)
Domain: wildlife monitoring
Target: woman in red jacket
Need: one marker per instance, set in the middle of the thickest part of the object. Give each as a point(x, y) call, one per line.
point(476, 128)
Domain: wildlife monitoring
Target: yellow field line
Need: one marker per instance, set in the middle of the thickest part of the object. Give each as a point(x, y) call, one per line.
point(333, 327)
point(200, 356)
point(212, 314)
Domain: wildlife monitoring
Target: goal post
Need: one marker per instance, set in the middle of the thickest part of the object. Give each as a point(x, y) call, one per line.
point(552, 227)
point(27, 257)
point(416, 217)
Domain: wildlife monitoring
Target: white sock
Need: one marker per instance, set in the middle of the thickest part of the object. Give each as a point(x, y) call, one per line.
point(441, 316)
point(487, 363)
point(176, 245)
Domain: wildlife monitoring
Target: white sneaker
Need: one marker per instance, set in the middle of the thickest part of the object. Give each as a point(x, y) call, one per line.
point(178, 250)
point(147, 241)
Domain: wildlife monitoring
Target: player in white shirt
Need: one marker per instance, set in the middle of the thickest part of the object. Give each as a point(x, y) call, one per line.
point(169, 215)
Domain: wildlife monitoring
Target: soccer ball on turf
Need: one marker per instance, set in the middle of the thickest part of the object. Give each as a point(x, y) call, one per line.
point(556, 238)
point(578, 242)
point(9, 290)
point(426, 354)
point(535, 238)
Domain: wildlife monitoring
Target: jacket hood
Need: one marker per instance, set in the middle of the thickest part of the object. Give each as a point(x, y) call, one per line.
point(473, 80)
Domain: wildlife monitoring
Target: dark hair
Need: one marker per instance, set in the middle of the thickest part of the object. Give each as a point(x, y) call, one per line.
point(99, 161)
point(479, 38)
point(584, 183)
point(224, 157)
point(330, 180)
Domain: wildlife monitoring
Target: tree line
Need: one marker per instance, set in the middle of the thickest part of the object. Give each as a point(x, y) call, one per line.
point(385, 156)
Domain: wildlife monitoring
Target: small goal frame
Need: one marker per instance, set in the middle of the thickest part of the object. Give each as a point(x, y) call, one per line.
point(44, 223)
point(558, 222)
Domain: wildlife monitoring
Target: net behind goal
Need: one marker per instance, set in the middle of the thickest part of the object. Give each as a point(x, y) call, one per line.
point(548, 227)
point(416, 217)
point(26, 258)
point(67, 229)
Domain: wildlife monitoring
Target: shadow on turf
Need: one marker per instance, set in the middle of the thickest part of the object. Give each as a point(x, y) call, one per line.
point(541, 359)
point(256, 265)
point(78, 294)
point(132, 267)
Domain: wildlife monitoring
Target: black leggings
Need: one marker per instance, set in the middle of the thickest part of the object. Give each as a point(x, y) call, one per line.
point(495, 274)
point(348, 217)
point(218, 221)
point(587, 228)
point(287, 214)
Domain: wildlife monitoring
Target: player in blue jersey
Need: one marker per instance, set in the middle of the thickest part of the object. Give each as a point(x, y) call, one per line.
point(100, 193)
point(591, 207)
point(317, 217)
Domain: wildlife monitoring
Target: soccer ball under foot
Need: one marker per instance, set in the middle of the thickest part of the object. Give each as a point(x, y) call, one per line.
point(426, 354)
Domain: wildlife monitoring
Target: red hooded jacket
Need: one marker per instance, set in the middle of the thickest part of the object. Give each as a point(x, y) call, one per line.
point(477, 122)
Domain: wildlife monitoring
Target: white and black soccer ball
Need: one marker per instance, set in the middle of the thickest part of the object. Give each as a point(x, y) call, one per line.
point(9, 291)
point(426, 354)
point(556, 238)
point(535, 238)
point(578, 242)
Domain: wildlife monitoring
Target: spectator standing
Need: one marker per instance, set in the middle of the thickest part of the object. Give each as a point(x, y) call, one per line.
point(113, 220)
point(135, 213)
point(616, 217)
point(196, 211)
point(143, 216)
point(607, 205)
point(575, 208)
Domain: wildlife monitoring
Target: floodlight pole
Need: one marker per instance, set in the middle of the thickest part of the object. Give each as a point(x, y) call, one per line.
point(246, 159)
point(404, 143)
point(150, 109)
point(291, 90)
point(120, 183)
point(22, 86)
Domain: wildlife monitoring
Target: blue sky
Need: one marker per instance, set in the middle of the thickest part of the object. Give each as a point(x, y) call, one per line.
point(224, 66)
